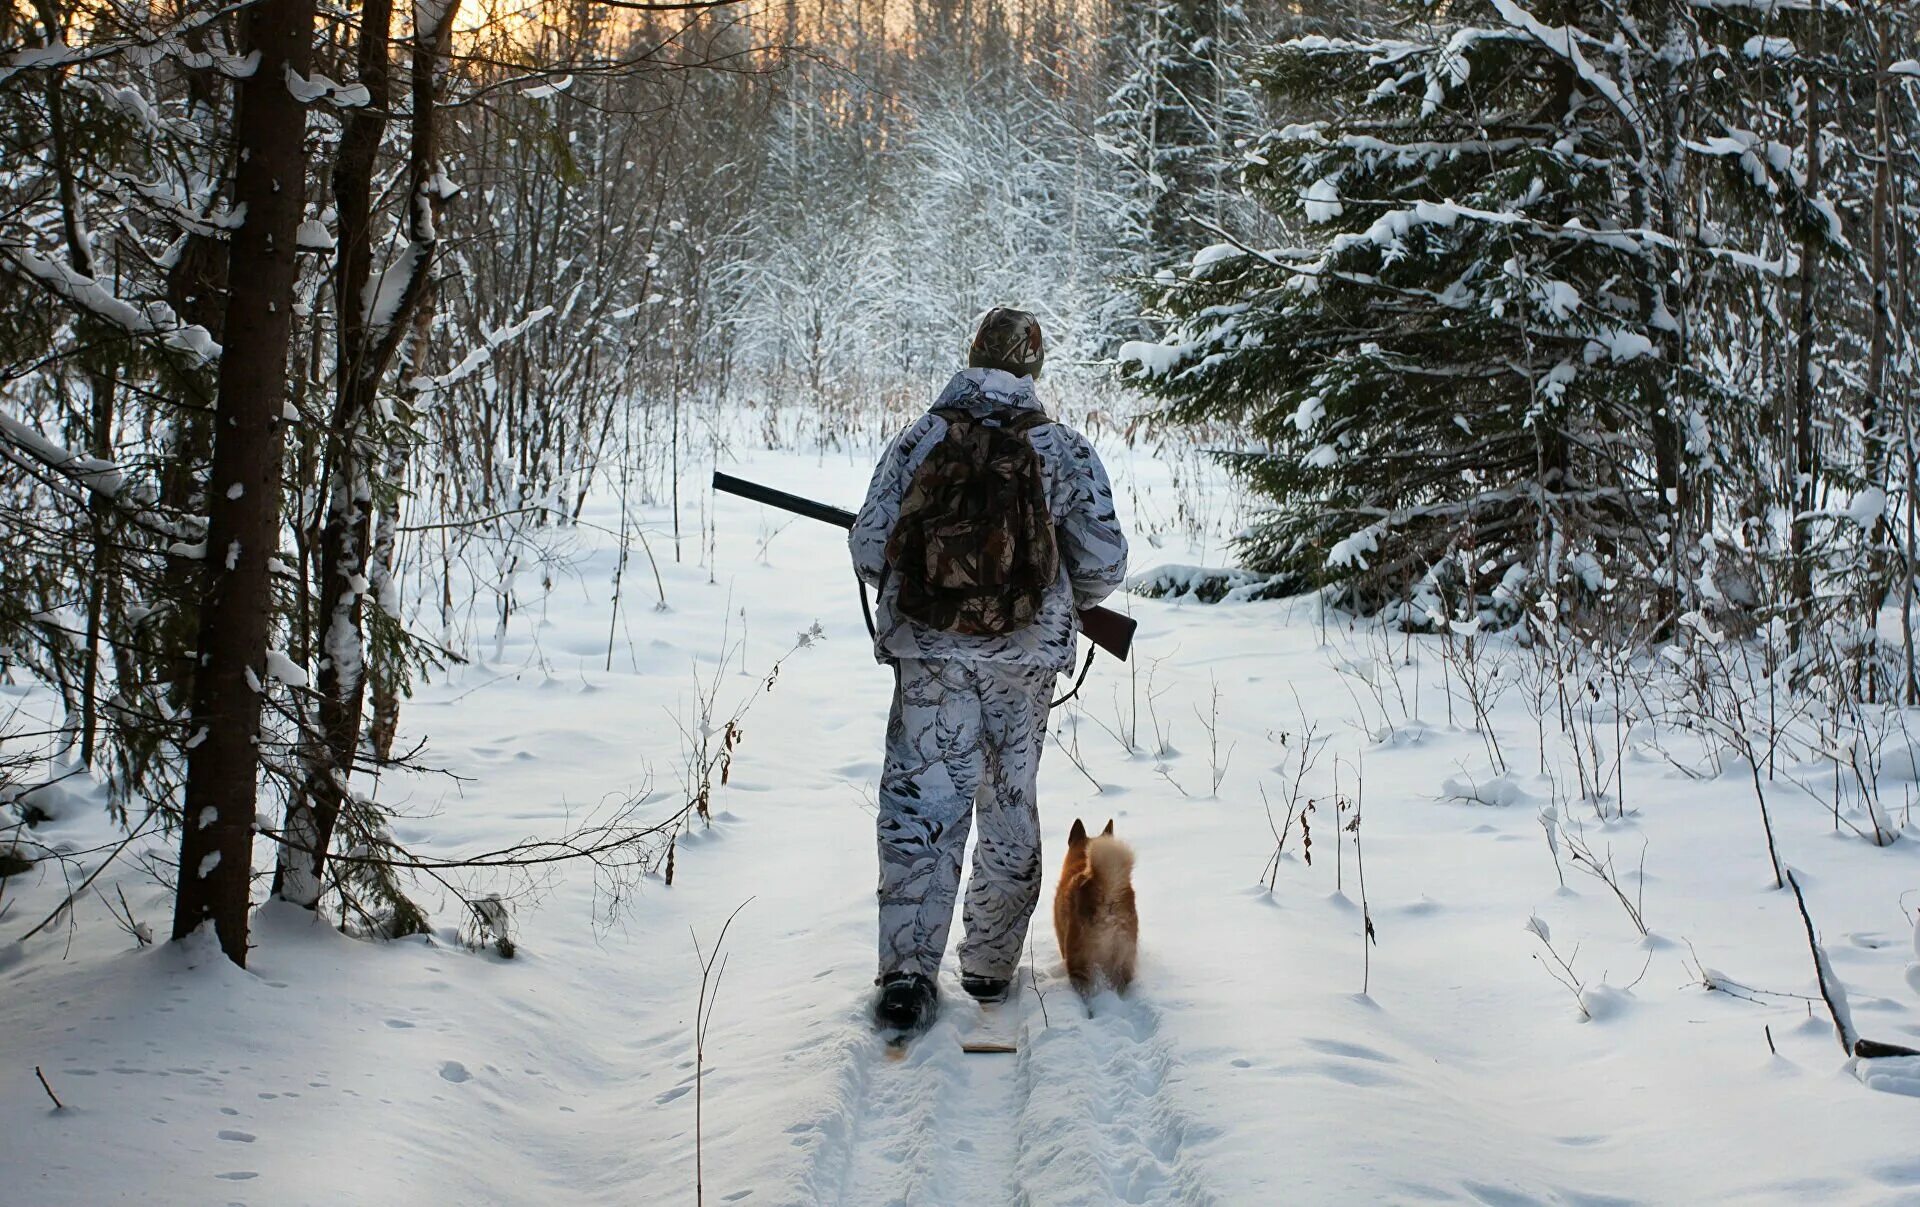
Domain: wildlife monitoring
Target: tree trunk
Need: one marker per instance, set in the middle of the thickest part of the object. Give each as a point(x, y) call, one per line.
point(197, 291)
point(1800, 462)
point(369, 333)
point(1876, 429)
point(101, 385)
point(347, 485)
point(243, 504)
point(384, 678)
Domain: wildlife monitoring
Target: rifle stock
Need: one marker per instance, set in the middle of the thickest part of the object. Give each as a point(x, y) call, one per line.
point(1110, 630)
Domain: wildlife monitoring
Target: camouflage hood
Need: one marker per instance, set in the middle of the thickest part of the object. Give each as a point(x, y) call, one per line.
point(984, 391)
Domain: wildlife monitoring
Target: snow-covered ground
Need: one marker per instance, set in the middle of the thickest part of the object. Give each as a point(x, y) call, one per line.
point(1249, 1067)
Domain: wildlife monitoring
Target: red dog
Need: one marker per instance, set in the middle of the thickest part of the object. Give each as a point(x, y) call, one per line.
point(1093, 912)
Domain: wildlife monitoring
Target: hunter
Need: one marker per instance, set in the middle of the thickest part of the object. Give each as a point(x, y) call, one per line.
point(987, 527)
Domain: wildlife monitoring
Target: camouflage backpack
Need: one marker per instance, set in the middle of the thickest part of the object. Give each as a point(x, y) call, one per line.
point(973, 550)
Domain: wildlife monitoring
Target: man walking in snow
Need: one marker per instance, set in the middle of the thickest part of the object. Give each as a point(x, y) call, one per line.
point(987, 527)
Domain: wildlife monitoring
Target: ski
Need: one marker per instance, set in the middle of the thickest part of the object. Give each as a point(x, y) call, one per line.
point(997, 1026)
point(989, 1046)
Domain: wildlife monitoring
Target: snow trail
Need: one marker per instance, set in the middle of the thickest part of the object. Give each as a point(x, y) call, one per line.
point(1079, 1115)
point(936, 1126)
point(990, 1091)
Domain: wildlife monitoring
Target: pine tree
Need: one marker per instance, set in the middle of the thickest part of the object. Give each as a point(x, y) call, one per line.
point(1489, 372)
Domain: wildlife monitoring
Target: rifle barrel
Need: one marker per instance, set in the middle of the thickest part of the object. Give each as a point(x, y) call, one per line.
point(781, 499)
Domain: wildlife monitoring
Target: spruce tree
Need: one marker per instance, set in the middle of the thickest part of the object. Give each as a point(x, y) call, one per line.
point(1485, 372)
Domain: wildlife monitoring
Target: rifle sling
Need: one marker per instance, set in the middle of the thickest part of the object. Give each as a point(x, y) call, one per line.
point(1086, 664)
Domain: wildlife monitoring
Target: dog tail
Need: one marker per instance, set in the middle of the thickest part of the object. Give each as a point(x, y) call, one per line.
point(1111, 862)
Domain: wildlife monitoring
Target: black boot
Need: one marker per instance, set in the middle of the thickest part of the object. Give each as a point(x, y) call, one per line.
point(908, 1002)
point(986, 990)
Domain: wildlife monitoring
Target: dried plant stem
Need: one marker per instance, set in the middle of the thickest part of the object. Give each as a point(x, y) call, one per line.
point(57, 1104)
point(713, 966)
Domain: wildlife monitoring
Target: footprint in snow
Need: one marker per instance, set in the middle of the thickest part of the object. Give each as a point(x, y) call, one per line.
point(455, 1072)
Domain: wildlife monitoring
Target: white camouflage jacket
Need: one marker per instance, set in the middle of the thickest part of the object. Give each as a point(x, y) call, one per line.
point(1093, 549)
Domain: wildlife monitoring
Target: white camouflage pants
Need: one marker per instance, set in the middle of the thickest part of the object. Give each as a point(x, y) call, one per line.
point(961, 732)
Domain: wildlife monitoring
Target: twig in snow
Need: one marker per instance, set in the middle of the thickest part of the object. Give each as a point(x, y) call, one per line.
point(1835, 994)
point(1307, 753)
point(1368, 941)
point(1601, 869)
point(1033, 980)
point(1550, 821)
point(1072, 750)
point(1210, 721)
point(1560, 970)
point(702, 1019)
point(69, 899)
point(1714, 981)
point(57, 1104)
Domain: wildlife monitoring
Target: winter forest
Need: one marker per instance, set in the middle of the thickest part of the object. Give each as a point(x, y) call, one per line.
point(408, 756)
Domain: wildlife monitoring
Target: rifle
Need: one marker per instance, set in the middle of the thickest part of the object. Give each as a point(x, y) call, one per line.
point(1110, 630)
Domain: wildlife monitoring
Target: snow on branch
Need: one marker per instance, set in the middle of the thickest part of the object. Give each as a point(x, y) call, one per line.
point(1382, 52)
point(1393, 226)
point(317, 87)
point(172, 202)
point(1759, 6)
point(472, 361)
point(1757, 156)
point(155, 318)
point(101, 477)
point(27, 448)
point(1561, 40)
point(135, 106)
point(381, 297)
point(144, 45)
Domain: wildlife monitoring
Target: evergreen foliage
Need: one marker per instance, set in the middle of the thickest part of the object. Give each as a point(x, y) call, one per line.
point(1505, 355)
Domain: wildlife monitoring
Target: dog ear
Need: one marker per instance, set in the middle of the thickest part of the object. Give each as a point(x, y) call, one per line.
point(1077, 835)
point(1108, 832)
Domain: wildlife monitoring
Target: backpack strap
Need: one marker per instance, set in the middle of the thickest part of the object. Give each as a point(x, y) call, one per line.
point(1013, 419)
